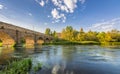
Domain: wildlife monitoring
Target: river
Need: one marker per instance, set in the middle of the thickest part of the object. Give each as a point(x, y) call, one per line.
point(66, 59)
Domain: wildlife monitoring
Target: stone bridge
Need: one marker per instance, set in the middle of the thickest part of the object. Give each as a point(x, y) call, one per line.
point(10, 35)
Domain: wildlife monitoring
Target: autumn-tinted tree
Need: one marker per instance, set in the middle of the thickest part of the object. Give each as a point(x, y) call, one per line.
point(92, 36)
point(101, 36)
point(81, 36)
point(71, 34)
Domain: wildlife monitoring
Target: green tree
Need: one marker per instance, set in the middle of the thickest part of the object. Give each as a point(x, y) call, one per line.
point(112, 36)
point(81, 36)
point(101, 36)
point(69, 33)
point(54, 34)
point(91, 36)
point(48, 31)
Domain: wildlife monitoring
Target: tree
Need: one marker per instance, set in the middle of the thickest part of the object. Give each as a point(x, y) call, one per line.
point(91, 36)
point(81, 30)
point(69, 33)
point(81, 35)
point(112, 36)
point(101, 36)
point(54, 34)
point(48, 31)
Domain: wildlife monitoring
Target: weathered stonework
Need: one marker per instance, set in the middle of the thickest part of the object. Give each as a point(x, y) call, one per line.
point(10, 34)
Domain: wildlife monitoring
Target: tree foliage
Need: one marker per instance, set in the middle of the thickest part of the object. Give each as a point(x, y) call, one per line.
point(48, 31)
point(70, 34)
point(73, 35)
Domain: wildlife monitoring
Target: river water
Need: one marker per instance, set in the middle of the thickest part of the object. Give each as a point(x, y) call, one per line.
point(66, 59)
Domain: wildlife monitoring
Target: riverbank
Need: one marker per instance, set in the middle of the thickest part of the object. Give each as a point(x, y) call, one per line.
point(82, 43)
point(73, 43)
point(17, 67)
point(21, 66)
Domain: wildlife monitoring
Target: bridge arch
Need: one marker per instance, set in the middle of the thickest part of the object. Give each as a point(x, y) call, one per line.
point(47, 40)
point(29, 40)
point(2, 27)
point(40, 40)
point(6, 39)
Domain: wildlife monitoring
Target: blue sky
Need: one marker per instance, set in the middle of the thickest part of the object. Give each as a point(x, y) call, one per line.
point(97, 15)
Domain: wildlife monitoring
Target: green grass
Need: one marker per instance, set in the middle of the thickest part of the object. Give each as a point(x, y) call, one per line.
point(110, 43)
point(73, 43)
point(18, 67)
point(90, 42)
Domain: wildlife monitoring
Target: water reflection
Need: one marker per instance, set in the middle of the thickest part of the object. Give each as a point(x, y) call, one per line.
point(77, 59)
point(5, 54)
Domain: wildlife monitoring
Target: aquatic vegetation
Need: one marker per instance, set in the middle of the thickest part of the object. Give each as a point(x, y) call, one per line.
point(18, 67)
point(37, 67)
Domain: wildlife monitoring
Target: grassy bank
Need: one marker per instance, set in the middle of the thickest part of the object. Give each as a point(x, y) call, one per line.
point(110, 43)
point(82, 43)
point(17, 67)
point(73, 43)
point(20, 66)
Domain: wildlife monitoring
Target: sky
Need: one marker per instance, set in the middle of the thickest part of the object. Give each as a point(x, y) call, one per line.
point(96, 15)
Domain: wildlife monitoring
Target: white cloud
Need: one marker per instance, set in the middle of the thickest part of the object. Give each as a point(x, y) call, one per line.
point(30, 14)
point(46, 1)
point(107, 25)
point(42, 3)
point(57, 16)
point(48, 16)
point(1, 6)
point(45, 23)
point(67, 6)
point(82, 1)
point(61, 7)
point(71, 5)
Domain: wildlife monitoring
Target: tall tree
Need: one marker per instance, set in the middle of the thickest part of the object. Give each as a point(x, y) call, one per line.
point(68, 33)
point(48, 31)
point(54, 34)
point(81, 35)
point(101, 36)
point(91, 36)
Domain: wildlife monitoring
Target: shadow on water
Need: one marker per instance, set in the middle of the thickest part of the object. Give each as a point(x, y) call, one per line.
point(63, 59)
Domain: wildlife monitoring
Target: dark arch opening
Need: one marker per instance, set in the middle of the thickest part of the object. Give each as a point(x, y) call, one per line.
point(0, 41)
point(2, 27)
point(47, 38)
point(40, 38)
